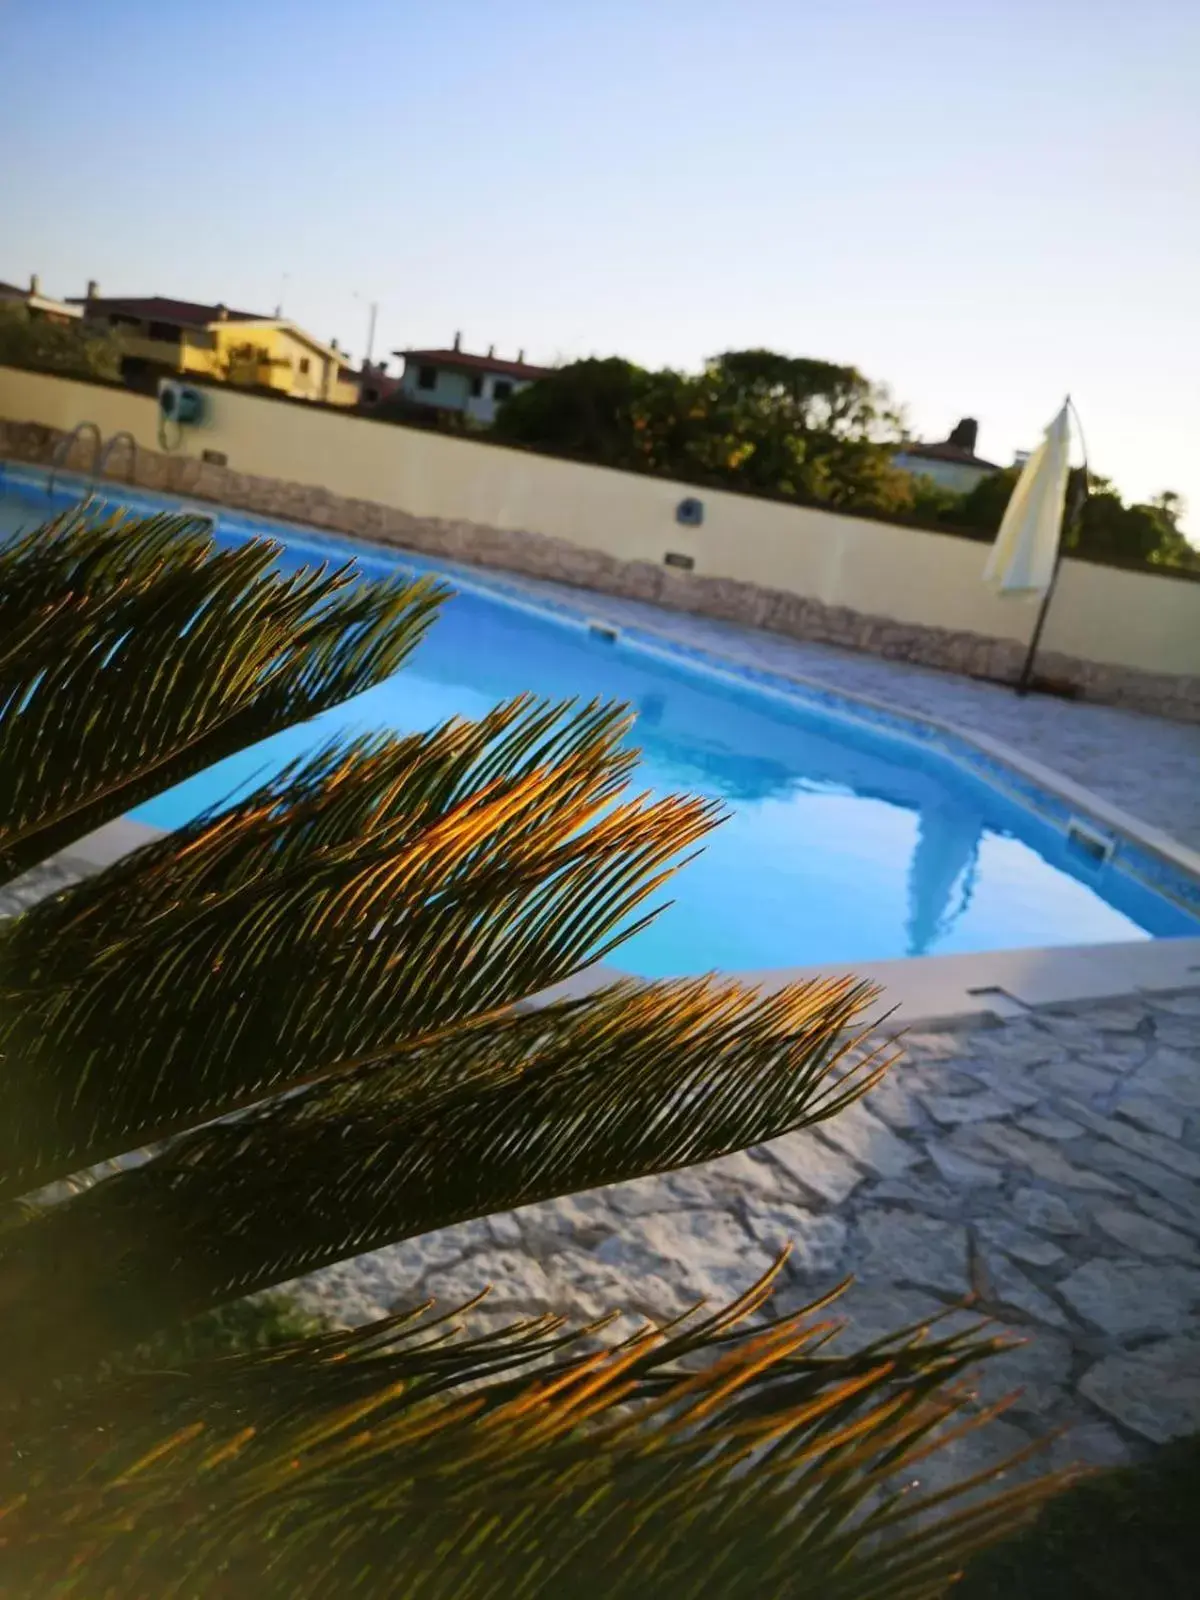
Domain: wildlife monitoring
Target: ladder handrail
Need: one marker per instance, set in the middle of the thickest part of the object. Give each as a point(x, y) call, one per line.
point(63, 449)
point(115, 439)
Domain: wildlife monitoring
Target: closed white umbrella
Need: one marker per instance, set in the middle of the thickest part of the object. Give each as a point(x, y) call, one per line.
point(1024, 557)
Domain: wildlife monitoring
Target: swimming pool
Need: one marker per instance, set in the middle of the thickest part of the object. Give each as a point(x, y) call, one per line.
point(853, 834)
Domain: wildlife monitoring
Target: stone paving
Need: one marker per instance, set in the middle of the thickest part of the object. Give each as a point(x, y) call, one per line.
point(1048, 1166)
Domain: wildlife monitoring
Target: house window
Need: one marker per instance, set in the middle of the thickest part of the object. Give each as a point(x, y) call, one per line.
point(476, 387)
point(426, 377)
point(501, 389)
point(303, 363)
point(164, 330)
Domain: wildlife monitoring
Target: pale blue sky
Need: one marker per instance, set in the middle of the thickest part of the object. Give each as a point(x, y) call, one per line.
point(984, 203)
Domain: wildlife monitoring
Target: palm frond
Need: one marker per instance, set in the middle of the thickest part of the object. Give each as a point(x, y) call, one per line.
point(48, 568)
point(137, 653)
point(632, 1081)
point(359, 904)
point(304, 1013)
point(373, 1463)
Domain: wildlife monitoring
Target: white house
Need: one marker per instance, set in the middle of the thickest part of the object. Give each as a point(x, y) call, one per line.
point(38, 304)
point(455, 380)
point(951, 463)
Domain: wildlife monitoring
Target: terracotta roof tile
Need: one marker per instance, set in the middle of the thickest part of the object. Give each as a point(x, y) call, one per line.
point(158, 308)
point(943, 450)
point(470, 363)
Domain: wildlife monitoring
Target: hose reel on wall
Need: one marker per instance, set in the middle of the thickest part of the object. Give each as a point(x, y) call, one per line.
point(180, 404)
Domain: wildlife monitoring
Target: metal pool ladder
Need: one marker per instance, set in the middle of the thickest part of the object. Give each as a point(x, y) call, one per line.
point(63, 449)
point(99, 458)
point(114, 439)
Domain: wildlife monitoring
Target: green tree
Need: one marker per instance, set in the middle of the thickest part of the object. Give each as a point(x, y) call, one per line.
point(1170, 506)
point(810, 428)
point(751, 419)
point(305, 1025)
point(933, 502)
point(1148, 534)
point(982, 508)
point(73, 349)
point(587, 409)
point(1107, 530)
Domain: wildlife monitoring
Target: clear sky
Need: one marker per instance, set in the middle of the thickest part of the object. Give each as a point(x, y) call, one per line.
point(983, 203)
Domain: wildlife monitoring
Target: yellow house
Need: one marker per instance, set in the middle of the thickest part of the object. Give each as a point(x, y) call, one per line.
point(160, 335)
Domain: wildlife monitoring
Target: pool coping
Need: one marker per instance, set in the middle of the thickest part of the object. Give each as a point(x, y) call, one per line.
point(980, 988)
point(1000, 758)
point(901, 722)
point(928, 989)
point(523, 593)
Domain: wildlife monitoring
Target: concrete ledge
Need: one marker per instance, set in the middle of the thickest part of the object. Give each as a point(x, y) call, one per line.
point(108, 844)
point(981, 989)
point(995, 984)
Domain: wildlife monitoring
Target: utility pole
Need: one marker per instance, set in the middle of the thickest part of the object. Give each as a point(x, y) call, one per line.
point(372, 313)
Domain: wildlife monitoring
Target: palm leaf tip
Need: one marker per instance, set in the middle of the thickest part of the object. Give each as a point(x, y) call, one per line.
point(708, 1457)
point(369, 900)
point(222, 647)
point(465, 1121)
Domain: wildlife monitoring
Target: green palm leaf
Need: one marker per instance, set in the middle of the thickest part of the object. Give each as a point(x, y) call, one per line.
point(414, 886)
point(692, 1461)
point(141, 653)
point(632, 1081)
point(309, 1024)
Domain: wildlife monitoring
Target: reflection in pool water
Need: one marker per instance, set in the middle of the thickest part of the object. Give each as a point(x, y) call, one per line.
point(842, 842)
point(840, 845)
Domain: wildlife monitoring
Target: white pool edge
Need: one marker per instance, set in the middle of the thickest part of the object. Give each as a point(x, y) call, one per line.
point(592, 605)
point(917, 991)
point(925, 990)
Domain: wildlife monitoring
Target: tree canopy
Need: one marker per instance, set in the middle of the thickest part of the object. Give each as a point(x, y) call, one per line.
point(799, 428)
point(71, 348)
point(1107, 530)
point(752, 420)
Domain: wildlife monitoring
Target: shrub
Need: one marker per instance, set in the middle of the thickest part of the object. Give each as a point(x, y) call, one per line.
point(72, 349)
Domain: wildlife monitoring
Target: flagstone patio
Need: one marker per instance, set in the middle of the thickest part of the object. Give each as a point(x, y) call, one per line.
point(1048, 1168)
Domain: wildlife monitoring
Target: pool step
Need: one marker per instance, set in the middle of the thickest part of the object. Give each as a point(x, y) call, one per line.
point(201, 513)
point(1085, 837)
point(599, 629)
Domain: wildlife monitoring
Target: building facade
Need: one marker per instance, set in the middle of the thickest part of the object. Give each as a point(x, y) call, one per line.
point(951, 463)
point(160, 335)
point(456, 380)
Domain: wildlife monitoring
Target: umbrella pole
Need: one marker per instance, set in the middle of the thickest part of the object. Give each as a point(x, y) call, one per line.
point(1026, 678)
point(1078, 496)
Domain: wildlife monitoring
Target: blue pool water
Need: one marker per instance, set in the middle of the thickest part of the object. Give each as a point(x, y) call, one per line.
point(846, 841)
